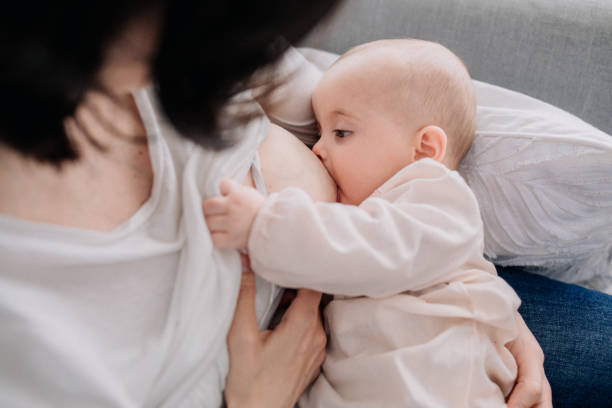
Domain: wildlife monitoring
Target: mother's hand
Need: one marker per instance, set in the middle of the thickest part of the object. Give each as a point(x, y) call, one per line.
point(532, 389)
point(272, 368)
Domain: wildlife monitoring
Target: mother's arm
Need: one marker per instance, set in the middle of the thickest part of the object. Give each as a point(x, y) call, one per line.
point(271, 368)
point(532, 388)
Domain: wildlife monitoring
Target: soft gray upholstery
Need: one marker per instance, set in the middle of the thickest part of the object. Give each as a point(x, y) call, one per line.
point(559, 51)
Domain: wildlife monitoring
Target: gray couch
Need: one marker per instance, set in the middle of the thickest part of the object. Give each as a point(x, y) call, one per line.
point(559, 51)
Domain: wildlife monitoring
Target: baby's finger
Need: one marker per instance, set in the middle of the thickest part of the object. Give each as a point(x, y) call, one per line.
point(216, 223)
point(221, 239)
point(226, 186)
point(215, 205)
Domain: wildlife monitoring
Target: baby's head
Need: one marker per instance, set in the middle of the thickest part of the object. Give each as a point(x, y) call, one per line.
point(387, 103)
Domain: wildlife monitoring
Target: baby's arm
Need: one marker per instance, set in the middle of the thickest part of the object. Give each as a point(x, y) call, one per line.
point(427, 235)
point(376, 250)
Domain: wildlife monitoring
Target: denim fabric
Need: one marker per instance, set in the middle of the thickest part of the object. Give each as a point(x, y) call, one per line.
point(574, 328)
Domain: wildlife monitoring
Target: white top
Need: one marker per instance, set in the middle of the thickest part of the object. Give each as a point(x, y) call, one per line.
point(422, 319)
point(136, 317)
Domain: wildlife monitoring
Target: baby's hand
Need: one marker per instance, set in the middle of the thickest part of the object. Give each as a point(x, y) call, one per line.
point(229, 217)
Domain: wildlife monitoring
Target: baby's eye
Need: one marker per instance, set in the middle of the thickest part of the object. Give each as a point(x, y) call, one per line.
point(342, 133)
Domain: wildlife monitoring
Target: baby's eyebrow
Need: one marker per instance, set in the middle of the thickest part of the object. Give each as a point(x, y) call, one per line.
point(340, 112)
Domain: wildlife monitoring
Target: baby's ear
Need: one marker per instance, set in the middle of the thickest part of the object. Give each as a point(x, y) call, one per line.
point(430, 143)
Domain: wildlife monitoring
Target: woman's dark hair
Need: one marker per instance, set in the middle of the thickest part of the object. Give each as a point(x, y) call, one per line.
point(50, 54)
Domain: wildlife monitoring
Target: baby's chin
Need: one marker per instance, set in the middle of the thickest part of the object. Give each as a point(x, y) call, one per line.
point(344, 199)
point(353, 199)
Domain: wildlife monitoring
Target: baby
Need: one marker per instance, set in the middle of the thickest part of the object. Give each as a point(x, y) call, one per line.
point(419, 317)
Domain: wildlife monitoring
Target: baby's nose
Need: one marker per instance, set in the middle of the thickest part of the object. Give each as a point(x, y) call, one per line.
point(319, 150)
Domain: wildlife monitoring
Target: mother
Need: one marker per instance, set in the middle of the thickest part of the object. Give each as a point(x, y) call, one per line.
point(110, 291)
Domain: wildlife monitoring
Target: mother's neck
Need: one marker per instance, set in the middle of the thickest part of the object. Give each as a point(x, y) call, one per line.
point(106, 185)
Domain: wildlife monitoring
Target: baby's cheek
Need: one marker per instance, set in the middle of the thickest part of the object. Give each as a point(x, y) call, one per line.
point(367, 183)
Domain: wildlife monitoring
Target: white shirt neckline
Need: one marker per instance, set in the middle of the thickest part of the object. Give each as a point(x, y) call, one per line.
point(16, 225)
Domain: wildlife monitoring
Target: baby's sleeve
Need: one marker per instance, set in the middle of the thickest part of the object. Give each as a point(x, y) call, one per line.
point(417, 234)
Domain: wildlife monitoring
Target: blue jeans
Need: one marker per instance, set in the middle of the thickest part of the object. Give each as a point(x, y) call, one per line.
point(574, 328)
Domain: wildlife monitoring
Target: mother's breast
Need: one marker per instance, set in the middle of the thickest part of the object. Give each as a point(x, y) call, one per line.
point(287, 162)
